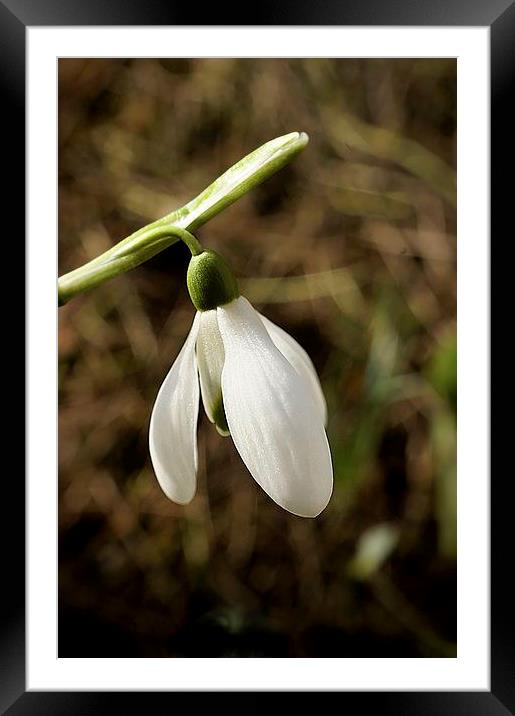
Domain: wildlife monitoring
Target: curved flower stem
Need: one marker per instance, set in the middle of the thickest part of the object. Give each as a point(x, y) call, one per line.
point(191, 242)
point(143, 247)
point(157, 236)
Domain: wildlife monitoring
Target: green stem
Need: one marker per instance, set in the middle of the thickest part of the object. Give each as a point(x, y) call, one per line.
point(191, 242)
point(143, 245)
point(157, 236)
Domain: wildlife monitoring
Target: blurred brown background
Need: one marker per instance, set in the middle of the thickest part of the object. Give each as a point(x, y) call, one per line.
point(352, 249)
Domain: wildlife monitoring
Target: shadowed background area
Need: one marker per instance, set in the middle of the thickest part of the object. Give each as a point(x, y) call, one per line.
point(352, 249)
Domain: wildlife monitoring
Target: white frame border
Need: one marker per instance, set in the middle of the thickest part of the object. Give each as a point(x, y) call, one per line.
point(470, 670)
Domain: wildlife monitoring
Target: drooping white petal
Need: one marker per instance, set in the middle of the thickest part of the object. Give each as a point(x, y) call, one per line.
point(210, 359)
point(297, 356)
point(273, 417)
point(173, 425)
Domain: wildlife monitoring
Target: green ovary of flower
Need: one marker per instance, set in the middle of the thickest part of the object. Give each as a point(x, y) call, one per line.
point(211, 282)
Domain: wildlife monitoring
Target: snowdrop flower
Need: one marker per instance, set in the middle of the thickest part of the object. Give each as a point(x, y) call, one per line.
point(257, 384)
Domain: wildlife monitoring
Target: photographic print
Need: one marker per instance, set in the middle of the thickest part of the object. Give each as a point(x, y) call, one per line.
point(257, 387)
point(258, 393)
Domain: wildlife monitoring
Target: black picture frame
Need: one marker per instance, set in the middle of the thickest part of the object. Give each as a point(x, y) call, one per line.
point(499, 15)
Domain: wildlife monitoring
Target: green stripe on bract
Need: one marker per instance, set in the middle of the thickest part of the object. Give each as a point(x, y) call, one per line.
point(220, 420)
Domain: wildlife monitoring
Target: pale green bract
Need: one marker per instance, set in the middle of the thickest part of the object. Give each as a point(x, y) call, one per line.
point(157, 236)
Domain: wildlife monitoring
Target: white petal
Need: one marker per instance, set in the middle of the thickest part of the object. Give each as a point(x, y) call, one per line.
point(173, 425)
point(297, 356)
point(210, 359)
point(273, 417)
